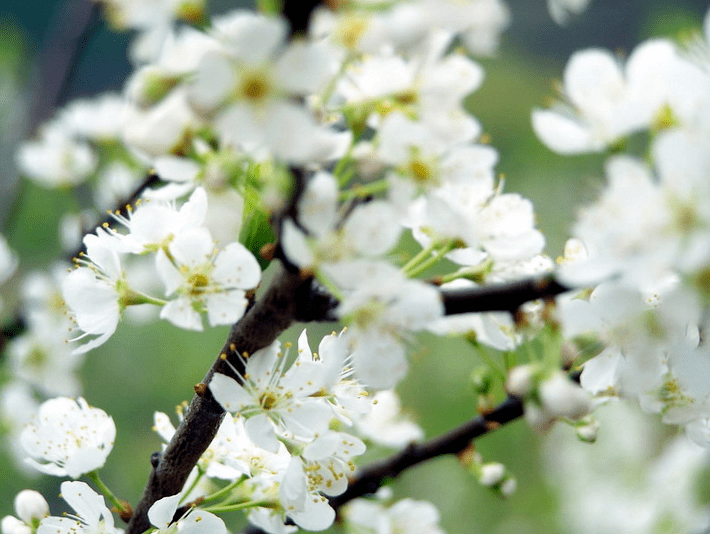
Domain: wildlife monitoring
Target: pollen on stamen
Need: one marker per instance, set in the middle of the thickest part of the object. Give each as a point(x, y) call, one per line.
point(223, 356)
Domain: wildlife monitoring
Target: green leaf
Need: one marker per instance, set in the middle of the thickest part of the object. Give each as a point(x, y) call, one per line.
point(257, 232)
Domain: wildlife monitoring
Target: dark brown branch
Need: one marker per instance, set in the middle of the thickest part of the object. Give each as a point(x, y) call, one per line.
point(370, 479)
point(12, 329)
point(287, 299)
point(298, 14)
point(500, 297)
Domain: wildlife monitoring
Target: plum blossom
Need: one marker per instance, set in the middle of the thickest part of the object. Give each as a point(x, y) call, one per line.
point(205, 278)
point(382, 307)
point(97, 291)
point(245, 86)
point(232, 453)
point(608, 102)
point(152, 225)
point(370, 229)
point(194, 521)
point(322, 468)
point(68, 437)
point(92, 516)
point(275, 401)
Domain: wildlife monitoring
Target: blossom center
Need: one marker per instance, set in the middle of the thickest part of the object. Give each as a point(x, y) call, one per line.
point(268, 400)
point(254, 87)
point(198, 282)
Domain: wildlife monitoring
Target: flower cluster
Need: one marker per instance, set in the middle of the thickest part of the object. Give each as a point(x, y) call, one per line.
point(646, 240)
point(197, 275)
point(335, 146)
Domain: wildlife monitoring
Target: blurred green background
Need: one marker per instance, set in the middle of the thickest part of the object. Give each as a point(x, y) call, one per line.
point(147, 368)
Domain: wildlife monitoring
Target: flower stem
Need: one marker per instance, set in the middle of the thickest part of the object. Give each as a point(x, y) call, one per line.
point(103, 488)
point(361, 191)
point(240, 506)
point(225, 490)
point(433, 260)
point(419, 257)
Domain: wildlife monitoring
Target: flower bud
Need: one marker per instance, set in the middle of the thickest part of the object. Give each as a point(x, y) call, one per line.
point(492, 474)
point(587, 430)
point(563, 398)
point(520, 380)
point(31, 506)
point(12, 525)
point(508, 486)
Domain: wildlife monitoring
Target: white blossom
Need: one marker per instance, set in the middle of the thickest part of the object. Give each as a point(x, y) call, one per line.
point(68, 437)
point(92, 515)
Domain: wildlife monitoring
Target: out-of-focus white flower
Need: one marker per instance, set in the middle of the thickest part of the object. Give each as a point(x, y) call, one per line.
point(92, 515)
point(491, 474)
point(44, 360)
point(371, 229)
point(608, 103)
point(386, 424)
point(633, 481)
point(161, 129)
point(69, 436)
point(97, 120)
point(11, 525)
point(8, 260)
point(382, 307)
point(153, 21)
point(562, 11)
point(407, 515)
point(56, 159)
point(627, 232)
point(561, 397)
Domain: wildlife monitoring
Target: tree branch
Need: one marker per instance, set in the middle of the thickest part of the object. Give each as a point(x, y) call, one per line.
point(501, 297)
point(455, 441)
